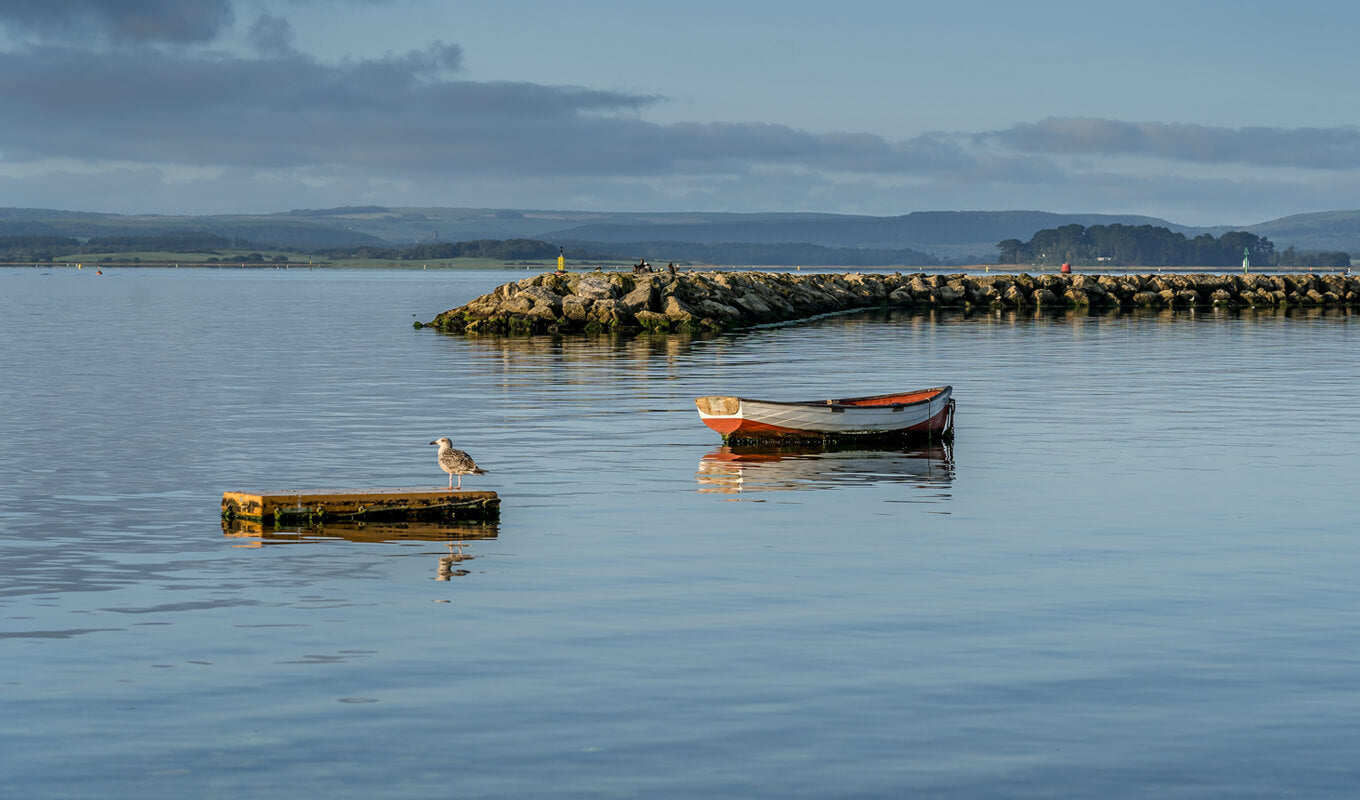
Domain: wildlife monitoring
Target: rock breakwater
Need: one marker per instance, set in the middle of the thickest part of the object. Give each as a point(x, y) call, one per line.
point(692, 301)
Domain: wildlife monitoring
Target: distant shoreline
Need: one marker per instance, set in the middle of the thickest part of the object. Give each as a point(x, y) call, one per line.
point(970, 269)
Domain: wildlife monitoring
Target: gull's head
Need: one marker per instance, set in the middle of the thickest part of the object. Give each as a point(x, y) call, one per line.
point(443, 441)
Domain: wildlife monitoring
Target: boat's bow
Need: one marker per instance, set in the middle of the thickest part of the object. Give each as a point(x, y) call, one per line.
point(722, 413)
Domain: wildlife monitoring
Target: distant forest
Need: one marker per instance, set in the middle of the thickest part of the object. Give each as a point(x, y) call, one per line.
point(47, 248)
point(1148, 246)
point(760, 254)
point(36, 248)
point(506, 250)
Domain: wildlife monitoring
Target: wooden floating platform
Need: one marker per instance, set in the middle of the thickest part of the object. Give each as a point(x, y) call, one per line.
point(314, 506)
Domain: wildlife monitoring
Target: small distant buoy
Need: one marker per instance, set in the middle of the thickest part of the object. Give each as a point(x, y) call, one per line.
point(1066, 268)
point(99, 272)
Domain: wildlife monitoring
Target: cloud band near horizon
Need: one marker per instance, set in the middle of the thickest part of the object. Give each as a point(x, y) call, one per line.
point(407, 126)
point(409, 112)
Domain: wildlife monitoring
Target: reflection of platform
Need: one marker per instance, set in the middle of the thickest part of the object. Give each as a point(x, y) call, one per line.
point(268, 533)
point(729, 470)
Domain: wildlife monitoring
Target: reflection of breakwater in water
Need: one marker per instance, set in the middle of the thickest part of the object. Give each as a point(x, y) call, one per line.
point(454, 537)
point(552, 351)
point(733, 470)
point(556, 366)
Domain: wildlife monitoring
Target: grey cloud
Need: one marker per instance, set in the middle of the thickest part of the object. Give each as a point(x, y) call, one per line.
point(272, 35)
point(404, 112)
point(176, 21)
point(1313, 148)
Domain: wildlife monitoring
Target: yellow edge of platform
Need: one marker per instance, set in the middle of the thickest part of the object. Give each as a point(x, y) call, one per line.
point(261, 505)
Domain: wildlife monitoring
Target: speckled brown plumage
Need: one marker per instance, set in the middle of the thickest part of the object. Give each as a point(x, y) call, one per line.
point(456, 462)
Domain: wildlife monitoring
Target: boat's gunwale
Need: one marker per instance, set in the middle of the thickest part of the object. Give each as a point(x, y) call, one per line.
point(932, 394)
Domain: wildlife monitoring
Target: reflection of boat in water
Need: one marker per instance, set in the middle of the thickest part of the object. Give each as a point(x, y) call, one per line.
point(755, 468)
point(921, 413)
point(268, 533)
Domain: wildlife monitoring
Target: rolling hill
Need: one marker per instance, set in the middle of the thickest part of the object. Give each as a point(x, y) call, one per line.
point(947, 236)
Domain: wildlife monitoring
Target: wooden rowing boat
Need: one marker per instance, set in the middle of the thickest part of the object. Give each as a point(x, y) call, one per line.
point(921, 413)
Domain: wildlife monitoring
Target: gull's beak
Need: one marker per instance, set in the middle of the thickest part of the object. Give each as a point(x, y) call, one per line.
point(434, 442)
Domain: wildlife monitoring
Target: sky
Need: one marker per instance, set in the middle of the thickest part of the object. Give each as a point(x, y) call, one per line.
point(1201, 113)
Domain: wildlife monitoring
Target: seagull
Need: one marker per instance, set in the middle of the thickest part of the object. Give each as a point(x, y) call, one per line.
point(456, 462)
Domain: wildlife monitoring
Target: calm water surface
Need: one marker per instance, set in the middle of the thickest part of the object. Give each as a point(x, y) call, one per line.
point(1132, 575)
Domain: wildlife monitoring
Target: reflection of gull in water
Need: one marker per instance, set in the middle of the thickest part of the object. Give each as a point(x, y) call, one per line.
point(455, 462)
point(445, 569)
point(730, 470)
point(454, 536)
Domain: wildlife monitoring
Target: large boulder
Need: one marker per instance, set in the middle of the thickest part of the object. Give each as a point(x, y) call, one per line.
point(642, 298)
point(1016, 297)
point(677, 310)
point(751, 303)
point(902, 297)
point(544, 298)
point(516, 304)
point(715, 310)
point(1077, 298)
point(576, 308)
point(595, 289)
point(653, 320)
point(948, 295)
point(607, 311)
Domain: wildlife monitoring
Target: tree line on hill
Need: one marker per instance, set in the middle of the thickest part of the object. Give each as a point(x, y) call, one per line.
point(36, 248)
point(47, 248)
point(1147, 246)
point(760, 254)
point(1288, 257)
point(501, 250)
